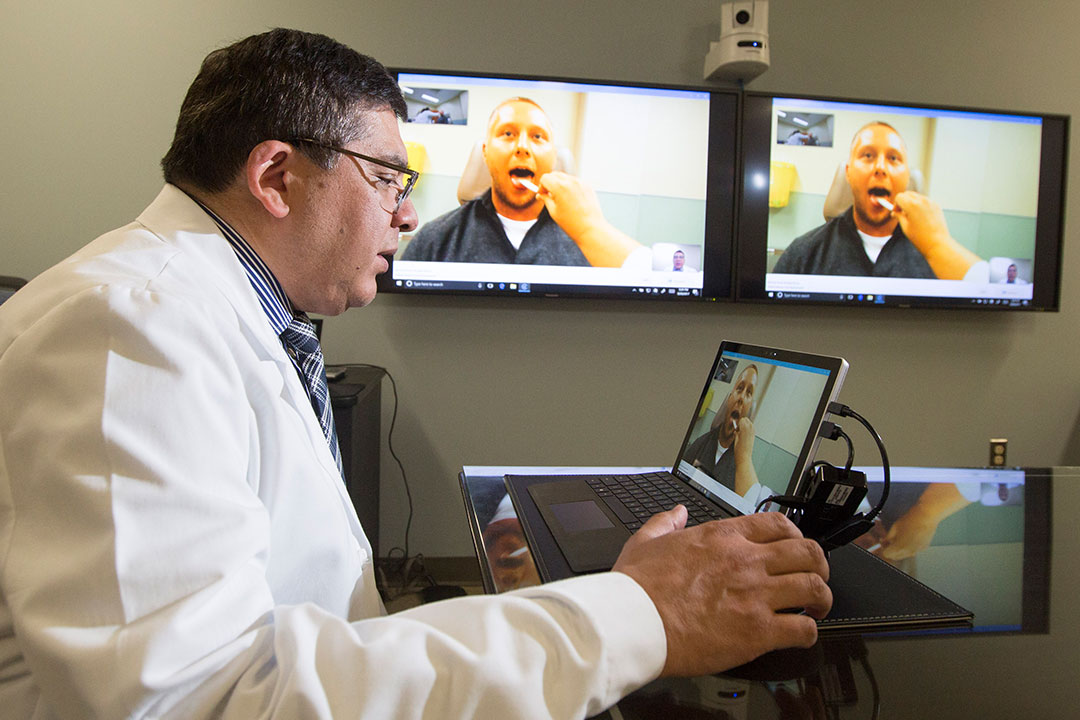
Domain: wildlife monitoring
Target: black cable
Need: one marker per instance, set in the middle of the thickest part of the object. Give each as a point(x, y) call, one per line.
point(875, 691)
point(793, 501)
point(393, 454)
point(407, 563)
point(838, 531)
point(850, 448)
point(844, 411)
point(832, 431)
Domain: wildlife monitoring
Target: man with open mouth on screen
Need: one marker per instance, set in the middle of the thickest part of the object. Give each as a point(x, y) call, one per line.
point(533, 214)
point(889, 231)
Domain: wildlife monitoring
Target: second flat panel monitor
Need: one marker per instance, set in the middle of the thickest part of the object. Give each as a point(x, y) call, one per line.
point(875, 204)
point(535, 186)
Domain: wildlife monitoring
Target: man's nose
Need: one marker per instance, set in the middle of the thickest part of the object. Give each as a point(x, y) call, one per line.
point(524, 145)
point(406, 218)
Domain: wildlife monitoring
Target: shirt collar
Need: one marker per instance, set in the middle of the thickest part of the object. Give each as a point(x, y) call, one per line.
point(279, 311)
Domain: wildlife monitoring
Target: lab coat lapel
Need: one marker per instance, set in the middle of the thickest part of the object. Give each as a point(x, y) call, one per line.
point(178, 220)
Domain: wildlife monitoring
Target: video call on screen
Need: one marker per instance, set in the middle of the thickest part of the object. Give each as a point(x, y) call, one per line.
point(981, 169)
point(662, 163)
point(643, 151)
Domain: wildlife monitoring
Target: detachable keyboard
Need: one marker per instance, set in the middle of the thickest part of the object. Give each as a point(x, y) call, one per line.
point(636, 498)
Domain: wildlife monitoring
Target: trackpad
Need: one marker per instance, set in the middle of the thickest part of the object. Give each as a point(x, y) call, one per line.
point(580, 516)
point(589, 535)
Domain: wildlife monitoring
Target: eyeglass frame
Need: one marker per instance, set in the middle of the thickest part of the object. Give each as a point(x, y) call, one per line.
point(403, 194)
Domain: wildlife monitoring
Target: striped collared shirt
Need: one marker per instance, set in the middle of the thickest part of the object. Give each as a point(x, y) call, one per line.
point(280, 313)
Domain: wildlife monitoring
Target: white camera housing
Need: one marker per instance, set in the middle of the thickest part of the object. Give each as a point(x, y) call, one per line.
point(742, 53)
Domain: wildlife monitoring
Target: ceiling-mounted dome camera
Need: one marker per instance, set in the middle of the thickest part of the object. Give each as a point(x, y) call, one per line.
point(742, 53)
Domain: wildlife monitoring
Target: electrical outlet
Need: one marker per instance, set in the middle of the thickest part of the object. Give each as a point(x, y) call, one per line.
point(999, 447)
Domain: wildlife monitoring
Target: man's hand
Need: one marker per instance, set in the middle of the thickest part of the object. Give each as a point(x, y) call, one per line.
point(574, 207)
point(744, 441)
point(914, 530)
point(719, 587)
point(571, 203)
point(743, 447)
point(923, 222)
point(908, 536)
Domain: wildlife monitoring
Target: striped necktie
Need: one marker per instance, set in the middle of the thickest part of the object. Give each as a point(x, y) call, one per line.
point(303, 345)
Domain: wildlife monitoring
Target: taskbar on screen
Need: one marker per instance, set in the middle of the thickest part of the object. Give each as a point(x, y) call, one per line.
point(832, 298)
point(544, 289)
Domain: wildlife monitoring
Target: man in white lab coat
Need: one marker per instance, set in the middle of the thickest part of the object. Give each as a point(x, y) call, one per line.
point(175, 537)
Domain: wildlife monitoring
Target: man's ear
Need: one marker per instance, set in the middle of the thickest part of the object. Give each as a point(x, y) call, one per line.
point(269, 175)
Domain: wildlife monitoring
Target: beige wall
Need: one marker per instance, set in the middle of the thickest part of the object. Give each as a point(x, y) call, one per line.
point(1009, 167)
point(90, 94)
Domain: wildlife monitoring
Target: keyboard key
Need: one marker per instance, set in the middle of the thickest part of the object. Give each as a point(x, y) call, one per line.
point(619, 509)
point(636, 498)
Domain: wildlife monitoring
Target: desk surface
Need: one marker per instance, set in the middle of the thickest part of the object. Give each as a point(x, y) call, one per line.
point(1008, 554)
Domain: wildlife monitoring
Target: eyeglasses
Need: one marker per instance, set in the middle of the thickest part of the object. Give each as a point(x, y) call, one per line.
point(402, 192)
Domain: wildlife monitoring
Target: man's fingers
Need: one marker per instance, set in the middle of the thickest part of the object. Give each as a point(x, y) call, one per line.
point(796, 555)
point(720, 587)
point(760, 527)
point(793, 630)
point(658, 525)
point(800, 590)
point(663, 523)
point(905, 199)
point(552, 182)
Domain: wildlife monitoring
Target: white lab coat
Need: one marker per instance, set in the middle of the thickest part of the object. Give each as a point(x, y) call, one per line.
point(175, 540)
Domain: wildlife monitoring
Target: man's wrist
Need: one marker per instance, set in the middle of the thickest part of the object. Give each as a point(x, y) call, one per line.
point(947, 258)
point(603, 245)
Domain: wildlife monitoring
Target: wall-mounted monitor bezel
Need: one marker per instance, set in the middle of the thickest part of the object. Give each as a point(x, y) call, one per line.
point(754, 248)
point(713, 279)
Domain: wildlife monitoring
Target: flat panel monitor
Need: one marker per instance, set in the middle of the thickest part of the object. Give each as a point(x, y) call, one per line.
point(537, 186)
point(867, 203)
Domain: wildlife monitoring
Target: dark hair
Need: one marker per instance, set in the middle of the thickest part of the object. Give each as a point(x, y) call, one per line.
point(280, 85)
